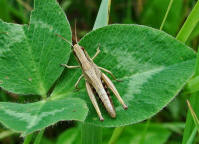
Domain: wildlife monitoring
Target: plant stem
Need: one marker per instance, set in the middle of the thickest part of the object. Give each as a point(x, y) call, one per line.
point(39, 136)
point(142, 140)
point(91, 134)
point(167, 12)
point(189, 24)
point(192, 136)
point(28, 139)
point(116, 134)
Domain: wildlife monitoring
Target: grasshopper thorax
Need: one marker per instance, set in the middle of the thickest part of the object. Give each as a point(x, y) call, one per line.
point(77, 48)
point(79, 53)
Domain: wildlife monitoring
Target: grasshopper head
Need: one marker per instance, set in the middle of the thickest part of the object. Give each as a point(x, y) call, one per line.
point(78, 49)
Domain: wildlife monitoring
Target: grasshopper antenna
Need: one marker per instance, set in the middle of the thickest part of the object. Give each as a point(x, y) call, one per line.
point(75, 32)
point(64, 39)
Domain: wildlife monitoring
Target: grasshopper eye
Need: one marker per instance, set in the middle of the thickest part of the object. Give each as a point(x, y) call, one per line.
point(82, 48)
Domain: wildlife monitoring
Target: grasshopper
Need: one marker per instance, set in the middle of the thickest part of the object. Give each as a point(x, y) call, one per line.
point(96, 81)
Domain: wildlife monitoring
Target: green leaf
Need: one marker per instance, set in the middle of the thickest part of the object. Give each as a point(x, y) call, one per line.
point(152, 65)
point(27, 118)
point(30, 56)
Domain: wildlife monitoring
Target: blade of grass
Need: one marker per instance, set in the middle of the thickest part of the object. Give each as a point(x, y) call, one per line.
point(165, 16)
point(39, 137)
point(103, 14)
point(116, 134)
point(190, 126)
point(18, 14)
point(183, 35)
point(65, 4)
point(192, 136)
point(192, 85)
point(128, 18)
point(194, 101)
point(194, 116)
point(28, 139)
point(25, 5)
point(90, 133)
point(189, 24)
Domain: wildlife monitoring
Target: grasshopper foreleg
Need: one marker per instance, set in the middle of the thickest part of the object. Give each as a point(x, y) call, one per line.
point(93, 100)
point(109, 73)
point(70, 67)
point(96, 54)
point(113, 89)
point(76, 84)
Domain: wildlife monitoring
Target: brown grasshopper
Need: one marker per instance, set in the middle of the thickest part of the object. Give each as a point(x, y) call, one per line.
point(94, 78)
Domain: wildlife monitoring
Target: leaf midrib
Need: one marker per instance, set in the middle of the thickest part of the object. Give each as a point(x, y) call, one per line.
point(42, 90)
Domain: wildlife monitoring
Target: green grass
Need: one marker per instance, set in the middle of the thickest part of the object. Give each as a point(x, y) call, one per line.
point(183, 35)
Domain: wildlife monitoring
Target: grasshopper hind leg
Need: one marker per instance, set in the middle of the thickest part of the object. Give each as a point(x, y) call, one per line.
point(93, 100)
point(108, 93)
point(113, 89)
point(109, 73)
